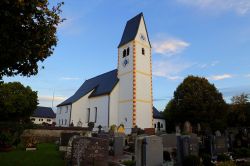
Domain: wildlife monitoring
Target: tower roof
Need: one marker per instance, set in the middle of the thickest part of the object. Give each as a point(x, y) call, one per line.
point(131, 29)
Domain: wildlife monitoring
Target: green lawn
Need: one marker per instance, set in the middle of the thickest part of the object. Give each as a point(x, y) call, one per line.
point(46, 154)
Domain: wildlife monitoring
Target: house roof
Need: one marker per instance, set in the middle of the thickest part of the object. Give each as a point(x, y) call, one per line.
point(44, 112)
point(157, 114)
point(131, 29)
point(100, 85)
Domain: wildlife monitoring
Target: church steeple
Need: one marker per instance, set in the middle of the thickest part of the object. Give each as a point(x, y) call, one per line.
point(131, 30)
point(135, 75)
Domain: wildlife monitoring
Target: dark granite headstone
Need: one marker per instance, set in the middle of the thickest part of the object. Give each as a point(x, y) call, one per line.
point(88, 151)
point(118, 146)
point(220, 145)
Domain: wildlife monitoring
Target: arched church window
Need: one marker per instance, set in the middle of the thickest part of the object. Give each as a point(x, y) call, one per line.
point(127, 51)
point(143, 51)
point(124, 53)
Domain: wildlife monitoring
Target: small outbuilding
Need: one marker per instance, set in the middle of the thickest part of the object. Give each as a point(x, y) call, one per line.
point(159, 120)
point(43, 115)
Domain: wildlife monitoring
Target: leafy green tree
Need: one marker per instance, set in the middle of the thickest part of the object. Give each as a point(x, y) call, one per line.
point(27, 35)
point(239, 111)
point(16, 102)
point(197, 101)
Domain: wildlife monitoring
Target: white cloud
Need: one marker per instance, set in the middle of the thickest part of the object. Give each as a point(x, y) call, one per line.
point(206, 65)
point(50, 98)
point(239, 6)
point(169, 47)
point(169, 69)
point(248, 75)
point(69, 78)
point(220, 77)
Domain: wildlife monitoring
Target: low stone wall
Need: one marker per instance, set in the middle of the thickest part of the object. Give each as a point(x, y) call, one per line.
point(49, 135)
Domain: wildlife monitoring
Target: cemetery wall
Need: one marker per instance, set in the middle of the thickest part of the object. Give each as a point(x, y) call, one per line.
point(48, 135)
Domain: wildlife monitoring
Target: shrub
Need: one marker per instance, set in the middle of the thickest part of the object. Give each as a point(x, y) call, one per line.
point(242, 152)
point(206, 160)
point(223, 157)
point(226, 163)
point(5, 139)
point(191, 160)
point(129, 163)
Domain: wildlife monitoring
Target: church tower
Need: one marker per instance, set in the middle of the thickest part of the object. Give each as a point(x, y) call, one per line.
point(135, 107)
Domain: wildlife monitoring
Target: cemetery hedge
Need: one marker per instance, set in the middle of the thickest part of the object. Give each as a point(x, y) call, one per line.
point(46, 154)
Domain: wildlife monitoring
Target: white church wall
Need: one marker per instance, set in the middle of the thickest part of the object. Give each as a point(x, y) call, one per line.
point(144, 114)
point(143, 87)
point(126, 87)
point(101, 103)
point(79, 113)
point(114, 99)
point(126, 115)
point(121, 69)
point(63, 115)
point(144, 110)
point(142, 30)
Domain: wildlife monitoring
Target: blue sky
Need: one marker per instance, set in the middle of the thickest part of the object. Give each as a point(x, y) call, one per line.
point(208, 38)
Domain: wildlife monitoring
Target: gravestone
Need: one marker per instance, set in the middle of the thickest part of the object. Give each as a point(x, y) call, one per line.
point(194, 145)
point(220, 145)
point(64, 140)
point(187, 127)
point(88, 151)
point(187, 145)
point(118, 146)
point(149, 151)
point(169, 142)
point(69, 147)
point(177, 130)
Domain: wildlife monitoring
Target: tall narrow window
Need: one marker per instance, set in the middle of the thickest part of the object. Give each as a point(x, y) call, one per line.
point(128, 51)
point(88, 112)
point(62, 121)
point(124, 53)
point(65, 121)
point(143, 51)
point(95, 114)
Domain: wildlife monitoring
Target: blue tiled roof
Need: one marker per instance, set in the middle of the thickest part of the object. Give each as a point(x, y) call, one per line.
point(102, 84)
point(131, 29)
point(157, 114)
point(44, 112)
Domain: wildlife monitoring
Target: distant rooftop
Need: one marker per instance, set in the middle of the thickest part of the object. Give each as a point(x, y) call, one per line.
point(44, 112)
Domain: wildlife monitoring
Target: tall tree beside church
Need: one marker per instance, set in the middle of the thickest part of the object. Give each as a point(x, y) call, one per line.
point(27, 35)
point(239, 111)
point(197, 101)
point(16, 101)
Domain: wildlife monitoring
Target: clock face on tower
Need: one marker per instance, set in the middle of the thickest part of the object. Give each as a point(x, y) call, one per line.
point(142, 37)
point(125, 62)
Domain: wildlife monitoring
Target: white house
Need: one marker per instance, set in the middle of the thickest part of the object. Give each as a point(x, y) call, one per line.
point(159, 120)
point(43, 115)
point(121, 96)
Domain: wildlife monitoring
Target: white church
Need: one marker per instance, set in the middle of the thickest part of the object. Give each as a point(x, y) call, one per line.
point(121, 96)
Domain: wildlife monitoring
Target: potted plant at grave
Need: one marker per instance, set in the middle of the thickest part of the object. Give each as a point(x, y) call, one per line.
point(113, 128)
point(30, 142)
point(91, 125)
point(5, 142)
